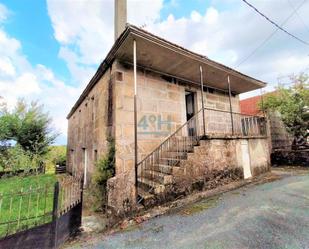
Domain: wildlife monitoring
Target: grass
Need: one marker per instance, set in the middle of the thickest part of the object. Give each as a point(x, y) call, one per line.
point(26, 199)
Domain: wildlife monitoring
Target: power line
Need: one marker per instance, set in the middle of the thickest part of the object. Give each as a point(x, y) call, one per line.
point(274, 23)
point(299, 17)
point(270, 36)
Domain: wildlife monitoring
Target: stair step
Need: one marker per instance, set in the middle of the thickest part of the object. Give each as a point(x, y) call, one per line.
point(162, 168)
point(163, 178)
point(145, 198)
point(150, 185)
point(175, 154)
point(170, 161)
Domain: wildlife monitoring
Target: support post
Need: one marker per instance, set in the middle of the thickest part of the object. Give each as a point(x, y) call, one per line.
point(135, 110)
point(202, 94)
point(55, 217)
point(231, 110)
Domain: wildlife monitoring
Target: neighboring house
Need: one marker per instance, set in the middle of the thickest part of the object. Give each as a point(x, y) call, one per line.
point(279, 136)
point(146, 95)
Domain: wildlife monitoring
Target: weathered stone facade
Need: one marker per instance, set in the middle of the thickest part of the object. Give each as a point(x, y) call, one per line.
point(219, 154)
point(88, 129)
point(108, 110)
point(280, 138)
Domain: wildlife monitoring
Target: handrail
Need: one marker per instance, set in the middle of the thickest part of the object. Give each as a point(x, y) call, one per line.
point(239, 113)
point(178, 129)
point(175, 147)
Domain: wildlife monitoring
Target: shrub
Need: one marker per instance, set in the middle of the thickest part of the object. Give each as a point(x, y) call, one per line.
point(15, 158)
point(105, 169)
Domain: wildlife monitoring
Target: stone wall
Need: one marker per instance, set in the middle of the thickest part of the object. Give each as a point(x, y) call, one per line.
point(280, 138)
point(88, 128)
point(222, 155)
point(160, 111)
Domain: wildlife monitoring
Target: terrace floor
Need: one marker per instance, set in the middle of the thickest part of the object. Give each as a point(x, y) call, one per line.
point(269, 215)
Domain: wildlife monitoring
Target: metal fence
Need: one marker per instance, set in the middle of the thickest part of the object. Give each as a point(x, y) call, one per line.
point(41, 208)
point(25, 208)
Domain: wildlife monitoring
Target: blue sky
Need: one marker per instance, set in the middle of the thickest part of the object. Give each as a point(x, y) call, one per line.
point(50, 49)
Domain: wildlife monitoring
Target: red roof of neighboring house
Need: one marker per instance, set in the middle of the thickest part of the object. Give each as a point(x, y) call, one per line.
point(250, 106)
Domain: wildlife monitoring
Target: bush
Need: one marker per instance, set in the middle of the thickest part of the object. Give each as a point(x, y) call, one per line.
point(105, 169)
point(15, 158)
point(55, 156)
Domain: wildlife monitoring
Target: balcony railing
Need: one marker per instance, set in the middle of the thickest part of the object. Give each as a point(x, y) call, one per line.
point(219, 122)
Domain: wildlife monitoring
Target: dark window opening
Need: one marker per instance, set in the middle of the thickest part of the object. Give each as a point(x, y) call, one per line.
point(119, 76)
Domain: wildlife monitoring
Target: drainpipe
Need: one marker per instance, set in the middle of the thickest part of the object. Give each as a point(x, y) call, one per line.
point(202, 93)
point(231, 111)
point(135, 110)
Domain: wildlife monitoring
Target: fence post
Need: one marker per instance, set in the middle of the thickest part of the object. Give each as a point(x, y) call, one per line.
point(55, 215)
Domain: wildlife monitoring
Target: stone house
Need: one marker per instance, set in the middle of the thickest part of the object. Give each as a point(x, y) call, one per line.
point(174, 116)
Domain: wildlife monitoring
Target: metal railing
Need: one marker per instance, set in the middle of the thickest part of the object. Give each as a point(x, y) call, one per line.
point(170, 151)
point(174, 148)
point(25, 208)
point(220, 122)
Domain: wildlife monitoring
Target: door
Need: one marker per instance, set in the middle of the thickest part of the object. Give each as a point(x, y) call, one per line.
point(246, 159)
point(190, 111)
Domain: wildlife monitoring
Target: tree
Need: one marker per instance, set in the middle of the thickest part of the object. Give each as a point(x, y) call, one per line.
point(29, 126)
point(293, 105)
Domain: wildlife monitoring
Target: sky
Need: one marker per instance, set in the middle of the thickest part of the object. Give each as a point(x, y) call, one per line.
point(49, 50)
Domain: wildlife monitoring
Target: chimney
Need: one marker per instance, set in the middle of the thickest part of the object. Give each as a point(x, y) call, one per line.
point(120, 17)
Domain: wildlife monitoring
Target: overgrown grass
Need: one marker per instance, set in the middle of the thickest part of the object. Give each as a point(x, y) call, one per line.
point(26, 199)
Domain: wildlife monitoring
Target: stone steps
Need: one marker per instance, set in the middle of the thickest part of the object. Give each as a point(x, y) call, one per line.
point(175, 154)
point(170, 161)
point(156, 177)
point(159, 177)
point(146, 198)
point(150, 185)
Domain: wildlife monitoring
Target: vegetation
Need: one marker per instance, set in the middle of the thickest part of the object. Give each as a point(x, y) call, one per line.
point(293, 105)
point(55, 156)
point(25, 136)
point(105, 169)
point(25, 197)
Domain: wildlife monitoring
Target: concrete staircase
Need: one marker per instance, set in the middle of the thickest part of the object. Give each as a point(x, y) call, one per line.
point(158, 176)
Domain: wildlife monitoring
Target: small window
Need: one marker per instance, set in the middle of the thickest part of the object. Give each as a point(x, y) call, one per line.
point(119, 76)
point(95, 155)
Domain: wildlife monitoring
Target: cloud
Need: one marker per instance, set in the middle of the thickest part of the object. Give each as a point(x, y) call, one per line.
point(20, 79)
point(4, 12)
point(84, 30)
point(230, 35)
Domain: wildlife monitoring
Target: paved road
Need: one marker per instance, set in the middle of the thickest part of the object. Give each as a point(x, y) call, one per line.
point(271, 215)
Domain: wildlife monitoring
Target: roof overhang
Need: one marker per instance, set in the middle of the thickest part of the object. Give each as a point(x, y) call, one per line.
point(160, 55)
point(155, 53)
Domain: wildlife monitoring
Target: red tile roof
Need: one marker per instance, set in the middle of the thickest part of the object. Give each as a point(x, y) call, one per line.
point(250, 106)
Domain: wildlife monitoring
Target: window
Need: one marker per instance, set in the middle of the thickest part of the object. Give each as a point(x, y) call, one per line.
point(119, 76)
point(95, 155)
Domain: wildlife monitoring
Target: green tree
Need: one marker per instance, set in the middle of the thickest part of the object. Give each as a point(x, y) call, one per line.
point(293, 105)
point(29, 126)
